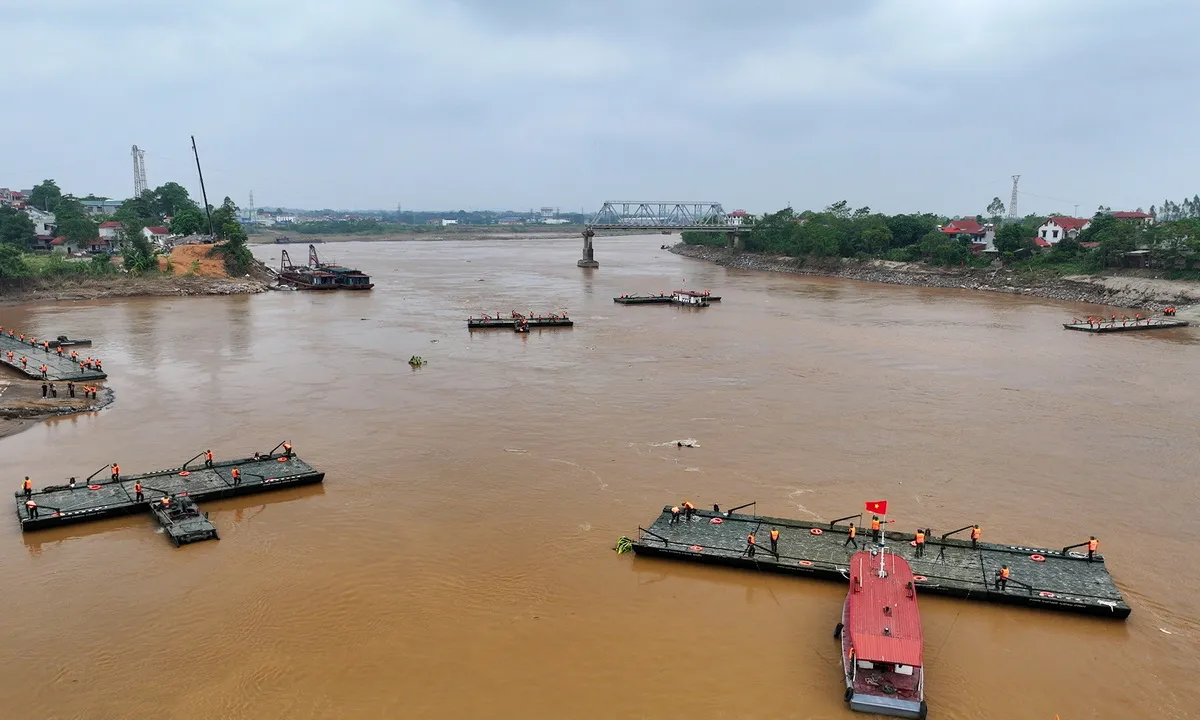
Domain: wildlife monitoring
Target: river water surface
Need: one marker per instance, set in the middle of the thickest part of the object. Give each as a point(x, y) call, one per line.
point(457, 562)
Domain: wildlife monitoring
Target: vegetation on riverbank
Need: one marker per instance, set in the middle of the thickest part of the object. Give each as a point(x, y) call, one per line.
point(841, 232)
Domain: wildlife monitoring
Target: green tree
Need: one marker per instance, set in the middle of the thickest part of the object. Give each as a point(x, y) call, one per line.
point(16, 228)
point(68, 207)
point(12, 262)
point(138, 210)
point(222, 216)
point(236, 253)
point(995, 209)
point(139, 255)
point(78, 230)
point(45, 196)
point(877, 240)
point(188, 221)
point(170, 199)
point(1012, 238)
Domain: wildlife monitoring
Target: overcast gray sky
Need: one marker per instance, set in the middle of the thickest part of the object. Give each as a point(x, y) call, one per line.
point(902, 105)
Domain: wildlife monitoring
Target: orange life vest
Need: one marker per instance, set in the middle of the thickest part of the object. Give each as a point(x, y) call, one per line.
point(875, 524)
point(775, 535)
point(1004, 573)
point(750, 538)
point(975, 533)
point(28, 484)
point(1093, 544)
point(116, 469)
point(920, 538)
point(853, 531)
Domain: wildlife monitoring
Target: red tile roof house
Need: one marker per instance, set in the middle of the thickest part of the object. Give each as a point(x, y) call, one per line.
point(109, 231)
point(982, 237)
point(1061, 228)
point(1141, 217)
point(156, 233)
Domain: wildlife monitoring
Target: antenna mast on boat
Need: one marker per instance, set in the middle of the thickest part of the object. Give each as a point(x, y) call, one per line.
point(203, 193)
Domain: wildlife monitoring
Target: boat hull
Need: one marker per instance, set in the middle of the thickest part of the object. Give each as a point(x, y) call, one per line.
point(891, 707)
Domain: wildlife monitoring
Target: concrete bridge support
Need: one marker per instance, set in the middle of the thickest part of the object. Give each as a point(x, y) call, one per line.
point(589, 259)
point(733, 240)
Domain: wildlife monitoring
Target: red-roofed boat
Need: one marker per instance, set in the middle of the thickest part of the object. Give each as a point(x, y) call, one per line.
point(882, 644)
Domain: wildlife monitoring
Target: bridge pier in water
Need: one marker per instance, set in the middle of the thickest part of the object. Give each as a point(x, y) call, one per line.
point(733, 240)
point(589, 259)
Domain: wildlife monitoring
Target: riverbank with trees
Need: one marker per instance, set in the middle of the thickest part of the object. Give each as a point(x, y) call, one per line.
point(912, 249)
point(129, 263)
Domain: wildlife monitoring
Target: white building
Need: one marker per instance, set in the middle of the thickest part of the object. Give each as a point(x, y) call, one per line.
point(1057, 229)
point(109, 231)
point(449, 222)
point(156, 234)
point(43, 222)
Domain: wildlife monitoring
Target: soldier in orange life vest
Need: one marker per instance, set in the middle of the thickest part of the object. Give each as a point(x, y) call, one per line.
point(59, 350)
point(31, 506)
point(674, 514)
point(920, 538)
point(43, 369)
point(287, 452)
point(137, 489)
point(975, 533)
point(74, 355)
point(688, 509)
point(750, 544)
point(775, 542)
point(116, 471)
point(237, 476)
point(875, 528)
point(1092, 545)
point(166, 501)
point(24, 362)
point(850, 535)
point(1002, 578)
point(27, 486)
point(208, 458)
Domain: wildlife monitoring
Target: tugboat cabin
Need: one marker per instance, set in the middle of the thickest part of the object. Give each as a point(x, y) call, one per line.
point(694, 298)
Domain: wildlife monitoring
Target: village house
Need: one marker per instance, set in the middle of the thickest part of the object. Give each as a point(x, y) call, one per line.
point(737, 217)
point(109, 231)
point(982, 237)
point(95, 208)
point(1136, 216)
point(156, 234)
point(1056, 229)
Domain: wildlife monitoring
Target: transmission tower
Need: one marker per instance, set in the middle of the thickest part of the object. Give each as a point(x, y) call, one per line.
point(139, 171)
point(1012, 204)
point(250, 211)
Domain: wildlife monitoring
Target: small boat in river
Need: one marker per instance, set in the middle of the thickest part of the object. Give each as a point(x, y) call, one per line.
point(64, 341)
point(882, 642)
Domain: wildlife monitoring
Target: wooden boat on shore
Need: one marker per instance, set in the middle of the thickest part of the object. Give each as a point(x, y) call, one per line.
point(303, 277)
point(882, 642)
point(345, 278)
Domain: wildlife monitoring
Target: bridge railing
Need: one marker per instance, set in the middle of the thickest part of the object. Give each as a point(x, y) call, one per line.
point(665, 215)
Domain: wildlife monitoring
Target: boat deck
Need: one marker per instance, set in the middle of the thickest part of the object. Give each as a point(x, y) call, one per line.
point(58, 369)
point(654, 299)
point(1110, 327)
point(1066, 582)
point(63, 505)
point(510, 323)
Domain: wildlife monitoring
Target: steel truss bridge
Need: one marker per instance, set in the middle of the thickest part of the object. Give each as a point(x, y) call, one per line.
point(662, 216)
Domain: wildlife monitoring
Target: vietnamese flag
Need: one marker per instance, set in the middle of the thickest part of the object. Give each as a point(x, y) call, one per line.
point(879, 507)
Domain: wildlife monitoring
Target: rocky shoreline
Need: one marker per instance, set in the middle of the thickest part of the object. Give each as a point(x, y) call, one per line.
point(1129, 291)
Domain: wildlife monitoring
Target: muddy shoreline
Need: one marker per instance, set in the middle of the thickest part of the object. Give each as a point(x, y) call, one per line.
point(120, 286)
point(21, 405)
point(1130, 291)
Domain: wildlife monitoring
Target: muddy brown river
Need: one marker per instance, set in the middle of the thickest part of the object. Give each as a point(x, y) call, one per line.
point(457, 562)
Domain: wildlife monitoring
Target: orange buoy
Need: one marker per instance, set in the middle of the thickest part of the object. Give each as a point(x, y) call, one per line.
point(815, 531)
point(920, 578)
point(93, 487)
point(1037, 558)
point(1047, 594)
point(716, 521)
point(184, 473)
point(805, 563)
point(695, 548)
point(282, 459)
